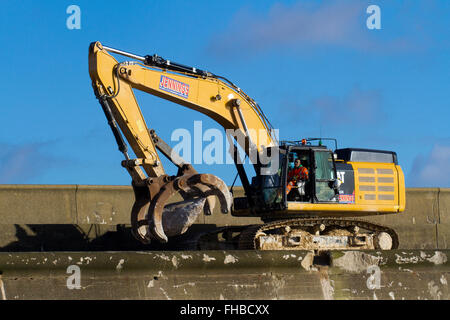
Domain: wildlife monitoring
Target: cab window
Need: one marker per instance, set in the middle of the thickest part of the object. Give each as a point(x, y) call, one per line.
point(325, 175)
point(324, 166)
point(271, 184)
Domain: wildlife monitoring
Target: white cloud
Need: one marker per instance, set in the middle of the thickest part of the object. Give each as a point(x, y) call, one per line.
point(357, 107)
point(433, 169)
point(21, 163)
point(303, 25)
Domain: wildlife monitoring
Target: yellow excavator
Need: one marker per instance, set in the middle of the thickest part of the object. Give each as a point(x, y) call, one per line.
point(314, 212)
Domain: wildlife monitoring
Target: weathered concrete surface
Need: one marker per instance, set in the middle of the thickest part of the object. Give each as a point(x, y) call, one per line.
point(38, 204)
point(226, 275)
point(417, 226)
point(425, 224)
point(103, 204)
point(79, 204)
point(443, 227)
point(404, 275)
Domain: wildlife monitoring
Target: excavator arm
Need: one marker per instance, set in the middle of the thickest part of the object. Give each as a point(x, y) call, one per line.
point(214, 96)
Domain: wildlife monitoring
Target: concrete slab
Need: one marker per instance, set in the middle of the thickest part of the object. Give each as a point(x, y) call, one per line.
point(104, 204)
point(227, 275)
point(444, 219)
point(391, 275)
point(423, 225)
point(38, 204)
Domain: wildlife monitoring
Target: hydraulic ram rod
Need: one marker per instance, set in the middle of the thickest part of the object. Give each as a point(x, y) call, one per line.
point(126, 54)
point(160, 62)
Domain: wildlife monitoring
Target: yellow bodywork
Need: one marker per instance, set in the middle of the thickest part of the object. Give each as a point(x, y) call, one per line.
point(379, 189)
point(379, 185)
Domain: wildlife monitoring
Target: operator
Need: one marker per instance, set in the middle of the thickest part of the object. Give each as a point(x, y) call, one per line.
point(299, 172)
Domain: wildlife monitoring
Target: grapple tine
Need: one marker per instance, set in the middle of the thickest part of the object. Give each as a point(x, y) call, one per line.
point(219, 189)
point(139, 223)
point(156, 210)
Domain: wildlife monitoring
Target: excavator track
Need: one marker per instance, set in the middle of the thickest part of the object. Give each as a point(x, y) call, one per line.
point(248, 237)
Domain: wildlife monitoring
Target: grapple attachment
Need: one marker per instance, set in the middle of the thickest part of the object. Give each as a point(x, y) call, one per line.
point(154, 218)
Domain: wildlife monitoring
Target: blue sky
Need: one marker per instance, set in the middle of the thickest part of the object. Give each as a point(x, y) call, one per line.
point(313, 66)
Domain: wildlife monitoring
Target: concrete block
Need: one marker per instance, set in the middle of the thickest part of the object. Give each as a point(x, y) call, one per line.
point(423, 225)
point(227, 275)
point(37, 204)
point(417, 225)
point(444, 205)
point(444, 219)
point(104, 204)
point(390, 275)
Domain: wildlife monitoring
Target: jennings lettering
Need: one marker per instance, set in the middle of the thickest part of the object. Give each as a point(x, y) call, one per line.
point(173, 86)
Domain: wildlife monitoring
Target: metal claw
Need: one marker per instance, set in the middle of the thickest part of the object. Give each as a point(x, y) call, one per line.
point(182, 218)
point(139, 225)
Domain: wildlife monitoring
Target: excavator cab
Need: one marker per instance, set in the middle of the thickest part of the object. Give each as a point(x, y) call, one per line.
point(317, 184)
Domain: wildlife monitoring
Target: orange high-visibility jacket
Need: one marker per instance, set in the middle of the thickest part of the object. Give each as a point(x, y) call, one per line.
point(300, 173)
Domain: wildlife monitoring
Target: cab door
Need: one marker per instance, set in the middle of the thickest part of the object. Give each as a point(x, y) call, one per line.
point(325, 177)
